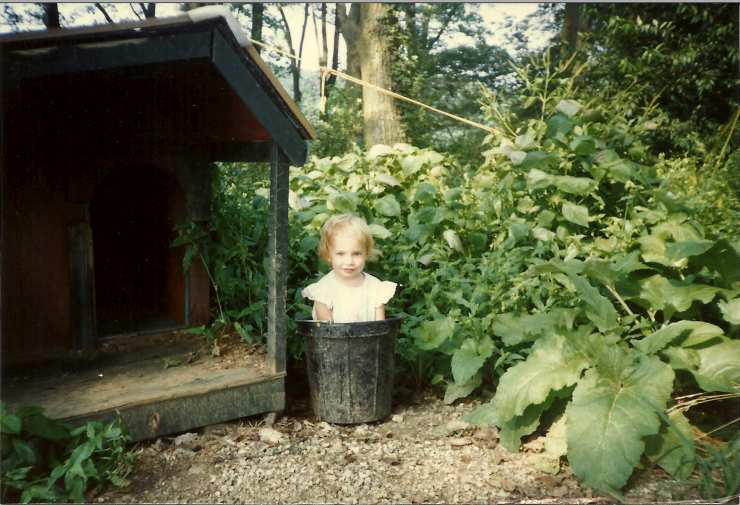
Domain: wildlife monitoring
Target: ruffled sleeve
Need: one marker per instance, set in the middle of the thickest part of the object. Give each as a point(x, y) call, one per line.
point(385, 291)
point(319, 291)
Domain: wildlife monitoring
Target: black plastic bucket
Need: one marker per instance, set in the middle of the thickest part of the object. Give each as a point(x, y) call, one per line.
point(350, 368)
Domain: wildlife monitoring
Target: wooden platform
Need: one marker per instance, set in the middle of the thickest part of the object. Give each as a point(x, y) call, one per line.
point(138, 380)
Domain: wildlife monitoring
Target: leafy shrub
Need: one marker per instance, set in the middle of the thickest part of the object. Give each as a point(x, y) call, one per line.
point(44, 460)
point(565, 269)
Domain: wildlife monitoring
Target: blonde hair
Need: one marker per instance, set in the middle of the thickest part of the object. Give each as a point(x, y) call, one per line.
point(342, 224)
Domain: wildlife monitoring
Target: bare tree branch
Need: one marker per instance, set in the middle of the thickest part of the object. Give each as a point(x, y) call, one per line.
point(303, 34)
point(134, 11)
point(105, 13)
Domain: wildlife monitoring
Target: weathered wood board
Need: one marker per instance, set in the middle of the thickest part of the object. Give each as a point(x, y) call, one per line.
point(152, 399)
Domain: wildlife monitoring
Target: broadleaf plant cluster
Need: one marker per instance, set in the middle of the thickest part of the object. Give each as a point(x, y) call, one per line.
point(51, 462)
point(574, 271)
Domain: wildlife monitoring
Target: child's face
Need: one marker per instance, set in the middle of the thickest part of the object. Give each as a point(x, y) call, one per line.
point(347, 257)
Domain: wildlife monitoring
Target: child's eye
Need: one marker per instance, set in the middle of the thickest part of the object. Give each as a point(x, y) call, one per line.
point(340, 254)
point(358, 254)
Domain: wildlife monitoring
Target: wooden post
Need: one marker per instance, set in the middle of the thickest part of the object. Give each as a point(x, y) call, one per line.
point(81, 285)
point(278, 259)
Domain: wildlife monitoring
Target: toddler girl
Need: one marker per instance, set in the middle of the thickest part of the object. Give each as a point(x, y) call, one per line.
point(347, 294)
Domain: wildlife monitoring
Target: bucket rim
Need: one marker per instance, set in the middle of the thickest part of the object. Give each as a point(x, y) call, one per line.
point(387, 320)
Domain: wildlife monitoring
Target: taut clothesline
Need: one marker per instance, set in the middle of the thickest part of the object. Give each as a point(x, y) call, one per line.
point(325, 71)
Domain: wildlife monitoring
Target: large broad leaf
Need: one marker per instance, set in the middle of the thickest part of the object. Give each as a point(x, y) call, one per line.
point(575, 213)
point(411, 164)
point(676, 251)
point(515, 329)
point(568, 107)
point(424, 192)
point(343, 202)
point(553, 365)
point(671, 296)
point(723, 259)
point(379, 150)
point(668, 449)
point(535, 159)
point(556, 446)
point(387, 179)
point(512, 431)
point(453, 240)
point(730, 310)
point(433, 333)
point(430, 215)
point(695, 332)
point(469, 358)
point(387, 206)
point(719, 367)
point(608, 418)
point(379, 231)
point(454, 391)
point(558, 124)
point(598, 308)
point(583, 145)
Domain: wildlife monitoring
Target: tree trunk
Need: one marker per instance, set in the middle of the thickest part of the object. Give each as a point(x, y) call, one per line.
point(150, 10)
point(349, 26)
point(573, 23)
point(258, 10)
point(335, 54)
point(51, 15)
point(382, 119)
point(294, 68)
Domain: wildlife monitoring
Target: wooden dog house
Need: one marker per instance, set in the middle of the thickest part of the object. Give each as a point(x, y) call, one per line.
point(108, 134)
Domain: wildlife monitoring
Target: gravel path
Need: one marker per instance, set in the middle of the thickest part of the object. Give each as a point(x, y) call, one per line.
point(424, 453)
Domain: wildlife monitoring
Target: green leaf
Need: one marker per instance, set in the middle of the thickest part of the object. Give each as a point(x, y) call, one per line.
point(676, 251)
point(424, 192)
point(512, 431)
point(602, 271)
point(719, 367)
point(432, 334)
point(608, 418)
point(379, 150)
point(568, 107)
point(24, 451)
point(387, 179)
point(515, 329)
point(682, 359)
point(575, 214)
point(343, 202)
point(669, 450)
point(42, 492)
point(583, 145)
point(11, 425)
point(82, 452)
point(378, 231)
point(537, 159)
point(553, 365)
point(430, 215)
point(697, 331)
point(414, 233)
point(454, 391)
point(730, 310)
point(469, 358)
point(411, 164)
point(723, 259)
point(598, 308)
point(387, 206)
point(558, 124)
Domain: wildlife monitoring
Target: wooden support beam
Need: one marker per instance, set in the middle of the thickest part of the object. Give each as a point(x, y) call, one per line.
point(81, 285)
point(278, 260)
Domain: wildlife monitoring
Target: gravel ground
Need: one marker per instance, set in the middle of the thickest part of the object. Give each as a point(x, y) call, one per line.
point(424, 453)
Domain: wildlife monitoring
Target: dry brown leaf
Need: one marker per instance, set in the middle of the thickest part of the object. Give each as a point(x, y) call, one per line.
point(391, 461)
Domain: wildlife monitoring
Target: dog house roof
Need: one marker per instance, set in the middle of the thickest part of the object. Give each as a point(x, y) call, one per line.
point(240, 101)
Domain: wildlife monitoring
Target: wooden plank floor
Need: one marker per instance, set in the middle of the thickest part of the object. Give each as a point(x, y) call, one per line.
point(153, 399)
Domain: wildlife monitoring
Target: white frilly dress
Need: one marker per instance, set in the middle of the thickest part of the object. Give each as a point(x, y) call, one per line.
point(350, 305)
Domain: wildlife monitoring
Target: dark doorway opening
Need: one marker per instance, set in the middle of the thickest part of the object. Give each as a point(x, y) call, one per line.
point(139, 285)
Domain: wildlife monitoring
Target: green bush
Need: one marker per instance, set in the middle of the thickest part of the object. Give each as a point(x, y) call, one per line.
point(574, 270)
point(44, 460)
